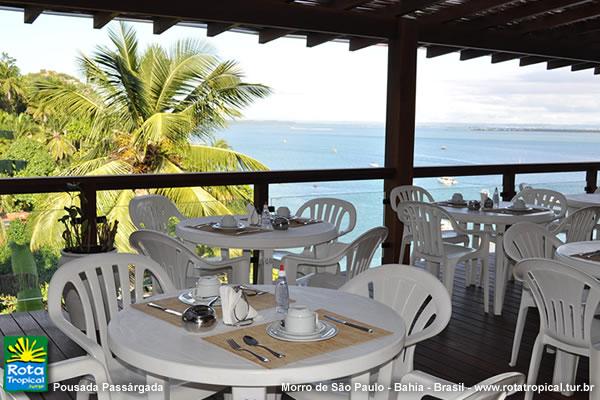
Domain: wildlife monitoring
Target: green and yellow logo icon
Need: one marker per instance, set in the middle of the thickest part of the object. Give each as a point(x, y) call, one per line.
point(25, 363)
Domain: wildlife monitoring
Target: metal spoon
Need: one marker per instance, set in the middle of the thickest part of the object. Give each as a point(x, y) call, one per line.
point(250, 341)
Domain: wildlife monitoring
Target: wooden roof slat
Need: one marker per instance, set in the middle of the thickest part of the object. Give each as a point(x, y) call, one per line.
point(597, 71)
point(361, 43)
point(461, 10)
point(30, 14)
point(345, 4)
point(161, 24)
point(582, 66)
point(268, 34)
point(502, 57)
point(568, 16)
point(554, 64)
point(216, 28)
point(315, 39)
point(436, 51)
point(406, 7)
point(470, 54)
point(103, 18)
point(530, 60)
point(528, 9)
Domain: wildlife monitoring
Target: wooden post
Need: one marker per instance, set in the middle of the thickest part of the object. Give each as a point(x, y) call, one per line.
point(591, 179)
point(508, 186)
point(261, 196)
point(89, 210)
point(400, 124)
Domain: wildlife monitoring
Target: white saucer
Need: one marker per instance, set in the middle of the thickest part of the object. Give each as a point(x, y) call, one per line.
point(512, 207)
point(188, 298)
point(218, 225)
point(324, 331)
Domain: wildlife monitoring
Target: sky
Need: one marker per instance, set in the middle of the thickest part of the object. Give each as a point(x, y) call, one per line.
point(330, 83)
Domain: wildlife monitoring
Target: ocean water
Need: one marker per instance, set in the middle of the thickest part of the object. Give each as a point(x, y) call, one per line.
point(293, 145)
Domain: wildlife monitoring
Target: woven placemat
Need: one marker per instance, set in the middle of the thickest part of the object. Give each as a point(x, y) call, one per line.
point(514, 211)
point(295, 351)
point(259, 302)
point(449, 204)
point(592, 256)
point(246, 230)
point(298, 223)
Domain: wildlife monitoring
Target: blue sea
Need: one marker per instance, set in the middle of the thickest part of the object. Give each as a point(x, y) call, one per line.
point(294, 145)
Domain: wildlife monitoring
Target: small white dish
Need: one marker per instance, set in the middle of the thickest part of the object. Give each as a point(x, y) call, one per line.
point(300, 320)
point(324, 331)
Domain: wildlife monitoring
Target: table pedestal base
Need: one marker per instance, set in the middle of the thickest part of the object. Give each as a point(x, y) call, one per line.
point(249, 393)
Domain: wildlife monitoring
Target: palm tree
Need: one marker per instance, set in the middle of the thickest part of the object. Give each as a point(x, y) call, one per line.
point(146, 108)
point(12, 91)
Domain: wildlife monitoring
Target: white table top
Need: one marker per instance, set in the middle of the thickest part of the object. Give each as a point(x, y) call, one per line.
point(166, 350)
point(581, 200)
point(303, 236)
point(490, 217)
point(565, 254)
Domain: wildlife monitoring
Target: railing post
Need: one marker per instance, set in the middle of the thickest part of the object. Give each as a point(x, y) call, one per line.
point(508, 186)
point(591, 180)
point(90, 213)
point(261, 196)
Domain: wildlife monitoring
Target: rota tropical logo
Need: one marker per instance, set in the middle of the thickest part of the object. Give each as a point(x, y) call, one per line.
point(25, 363)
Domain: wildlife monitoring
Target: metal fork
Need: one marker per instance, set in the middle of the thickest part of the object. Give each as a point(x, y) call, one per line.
point(233, 344)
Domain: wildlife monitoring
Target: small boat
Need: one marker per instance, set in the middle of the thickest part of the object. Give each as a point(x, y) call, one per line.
point(284, 141)
point(447, 180)
point(333, 150)
point(443, 147)
point(373, 165)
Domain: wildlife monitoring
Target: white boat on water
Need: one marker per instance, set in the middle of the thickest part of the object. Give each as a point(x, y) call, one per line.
point(447, 180)
point(374, 165)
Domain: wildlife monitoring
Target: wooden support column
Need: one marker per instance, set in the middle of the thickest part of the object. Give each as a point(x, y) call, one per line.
point(400, 124)
point(261, 197)
point(90, 212)
point(591, 180)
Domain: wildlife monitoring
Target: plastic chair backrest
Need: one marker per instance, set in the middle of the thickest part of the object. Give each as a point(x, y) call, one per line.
point(484, 390)
point(418, 296)
point(529, 240)
point(567, 300)
point(404, 193)
point(104, 285)
point(172, 255)
point(425, 222)
point(551, 199)
point(580, 225)
point(334, 211)
point(360, 252)
point(153, 212)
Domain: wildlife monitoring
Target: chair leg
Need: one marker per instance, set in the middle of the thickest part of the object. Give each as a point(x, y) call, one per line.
point(449, 268)
point(404, 243)
point(485, 277)
point(534, 365)
point(522, 317)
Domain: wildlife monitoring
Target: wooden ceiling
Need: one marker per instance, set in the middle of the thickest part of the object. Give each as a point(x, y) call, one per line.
point(560, 33)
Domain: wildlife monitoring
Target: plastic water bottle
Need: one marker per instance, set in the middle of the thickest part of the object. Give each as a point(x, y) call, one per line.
point(496, 198)
point(266, 218)
point(282, 293)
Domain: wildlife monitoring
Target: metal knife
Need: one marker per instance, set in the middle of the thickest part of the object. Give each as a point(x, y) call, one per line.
point(165, 309)
point(350, 324)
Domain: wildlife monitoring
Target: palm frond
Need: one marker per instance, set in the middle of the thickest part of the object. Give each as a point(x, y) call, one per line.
point(202, 158)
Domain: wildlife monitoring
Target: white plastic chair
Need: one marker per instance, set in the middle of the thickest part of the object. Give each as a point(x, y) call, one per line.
point(420, 299)
point(567, 300)
point(107, 292)
point(521, 241)
point(153, 212)
point(358, 255)
point(580, 225)
point(425, 221)
point(404, 193)
point(551, 199)
point(182, 265)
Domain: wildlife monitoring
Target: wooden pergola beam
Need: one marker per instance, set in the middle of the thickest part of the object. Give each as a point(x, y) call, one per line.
point(216, 28)
point(555, 64)
point(436, 51)
point(502, 57)
point(597, 71)
point(569, 16)
point(529, 9)
point(268, 34)
point(260, 13)
point(582, 66)
point(361, 43)
point(406, 7)
point(345, 4)
point(461, 10)
point(470, 54)
point(530, 60)
point(315, 39)
point(103, 18)
point(161, 24)
point(30, 14)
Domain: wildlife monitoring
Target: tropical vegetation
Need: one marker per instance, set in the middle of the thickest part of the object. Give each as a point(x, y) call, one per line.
point(151, 110)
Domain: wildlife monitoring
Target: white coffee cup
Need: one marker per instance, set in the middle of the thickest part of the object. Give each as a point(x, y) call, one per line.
point(283, 212)
point(484, 196)
point(519, 204)
point(300, 320)
point(457, 198)
point(207, 286)
point(229, 221)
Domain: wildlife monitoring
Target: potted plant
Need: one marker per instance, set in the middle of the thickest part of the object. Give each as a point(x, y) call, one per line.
point(82, 238)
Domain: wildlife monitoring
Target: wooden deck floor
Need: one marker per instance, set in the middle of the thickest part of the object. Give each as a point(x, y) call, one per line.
point(473, 347)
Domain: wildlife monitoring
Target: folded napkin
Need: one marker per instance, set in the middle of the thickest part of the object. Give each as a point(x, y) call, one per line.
point(252, 214)
point(234, 306)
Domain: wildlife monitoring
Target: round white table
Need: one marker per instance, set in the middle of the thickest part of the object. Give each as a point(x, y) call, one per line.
point(266, 242)
point(495, 224)
point(580, 200)
point(169, 352)
point(566, 253)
